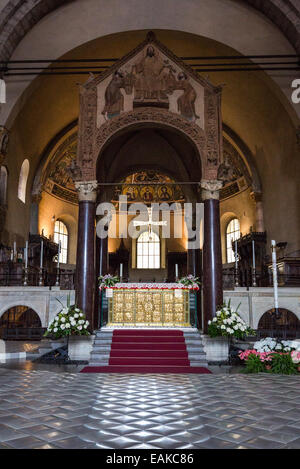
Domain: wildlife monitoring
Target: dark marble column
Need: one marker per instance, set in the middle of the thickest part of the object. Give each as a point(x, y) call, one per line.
point(102, 268)
point(85, 262)
point(212, 254)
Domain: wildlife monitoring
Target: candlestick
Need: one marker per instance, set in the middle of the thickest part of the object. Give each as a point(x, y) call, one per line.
point(25, 283)
point(15, 251)
point(26, 255)
point(121, 271)
point(176, 271)
point(59, 251)
point(42, 249)
point(253, 265)
point(275, 281)
point(236, 254)
point(236, 270)
point(11, 255)
point(41, 280)
point(253, 254)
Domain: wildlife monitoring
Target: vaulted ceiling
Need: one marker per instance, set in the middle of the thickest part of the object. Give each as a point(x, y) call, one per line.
point(18, 17)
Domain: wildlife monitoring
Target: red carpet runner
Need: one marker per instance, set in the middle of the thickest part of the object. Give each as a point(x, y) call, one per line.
point(147, 351)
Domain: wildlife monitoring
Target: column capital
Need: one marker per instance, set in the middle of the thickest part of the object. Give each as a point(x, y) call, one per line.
point(256, 196)
point(211, 189)
point(87, 190)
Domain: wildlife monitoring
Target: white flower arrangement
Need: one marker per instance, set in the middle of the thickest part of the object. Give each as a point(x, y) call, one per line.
point(69, 321)
point(270, 344)
point(228, 323)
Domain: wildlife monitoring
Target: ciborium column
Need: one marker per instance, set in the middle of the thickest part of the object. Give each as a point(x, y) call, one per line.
point(85, 262)
point(212, 254)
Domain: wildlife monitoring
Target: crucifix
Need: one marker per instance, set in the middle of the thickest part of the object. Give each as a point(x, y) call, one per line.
point(150, 222)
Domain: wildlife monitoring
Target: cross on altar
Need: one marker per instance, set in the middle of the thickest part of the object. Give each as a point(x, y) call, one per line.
point(150, 222)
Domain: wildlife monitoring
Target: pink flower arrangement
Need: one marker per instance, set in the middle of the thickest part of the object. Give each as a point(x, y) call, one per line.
point(296, 356)
point(263, 356)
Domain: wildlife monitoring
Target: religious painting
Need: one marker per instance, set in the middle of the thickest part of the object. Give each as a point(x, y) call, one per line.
point(147, 194)
point(114, 99)
point(165, 193)
point(131, 192)
point(151, 78)
point(186, 102)
point(148, 186)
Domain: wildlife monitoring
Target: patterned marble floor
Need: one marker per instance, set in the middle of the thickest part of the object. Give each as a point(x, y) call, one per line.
point(41, 409)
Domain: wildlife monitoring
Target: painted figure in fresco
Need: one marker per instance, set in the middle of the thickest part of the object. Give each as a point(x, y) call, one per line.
point(147, 195)
point(114, 99)
point(226, 171)
point(151, 77)
point(131, 193)
point(186, 102)
point(164, 194)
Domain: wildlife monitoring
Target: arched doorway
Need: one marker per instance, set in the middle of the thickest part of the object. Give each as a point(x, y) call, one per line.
point(20, 323)
point(286, 325)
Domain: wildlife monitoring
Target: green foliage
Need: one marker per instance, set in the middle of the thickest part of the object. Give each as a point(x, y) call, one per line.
point(254, 365)
point(283, 364)
point(190, 281)
point(107, 281)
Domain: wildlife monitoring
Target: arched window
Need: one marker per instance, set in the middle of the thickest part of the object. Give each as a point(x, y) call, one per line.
point(61, 234)
point(3, 185)
point(23, 181)
point(232, 233)
point(148, 251)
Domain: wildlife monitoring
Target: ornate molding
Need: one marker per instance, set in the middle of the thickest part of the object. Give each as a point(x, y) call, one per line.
point(211, 189)
point(124, 120)
point(87, 190)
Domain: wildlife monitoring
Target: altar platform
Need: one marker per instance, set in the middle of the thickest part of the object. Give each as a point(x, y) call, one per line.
point(151, 304)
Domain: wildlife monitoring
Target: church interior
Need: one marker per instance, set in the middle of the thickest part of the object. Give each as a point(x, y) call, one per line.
point(179, 106)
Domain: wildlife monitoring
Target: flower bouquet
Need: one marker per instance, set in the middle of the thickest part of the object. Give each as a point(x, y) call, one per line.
point(228, 323)
point(107, 281)
point(190, 281)
point(69, 321)
point(271, 355)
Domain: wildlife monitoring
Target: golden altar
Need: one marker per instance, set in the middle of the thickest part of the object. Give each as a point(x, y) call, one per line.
point(144, 306)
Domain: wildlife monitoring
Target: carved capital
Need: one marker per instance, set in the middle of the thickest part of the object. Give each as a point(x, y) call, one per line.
point(256, 196)
point(87, 190)
point(36, 198)
point(211, 189)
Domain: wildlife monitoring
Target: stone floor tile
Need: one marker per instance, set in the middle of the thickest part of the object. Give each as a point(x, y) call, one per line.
point(9, 433)
point(261, 443)
point(73, 442)
point(25, 442)
point(214, 443)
